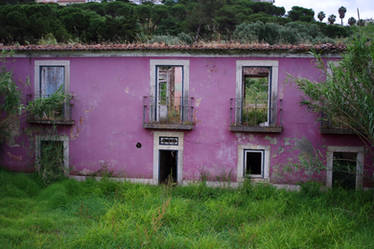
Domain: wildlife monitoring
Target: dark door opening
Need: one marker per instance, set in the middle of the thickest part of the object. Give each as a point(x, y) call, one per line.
point(344, 170)
point(168, 166)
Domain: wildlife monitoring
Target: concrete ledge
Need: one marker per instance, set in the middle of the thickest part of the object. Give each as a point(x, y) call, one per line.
point(51, 122)
point(256, 129)
point(338, 131)
point(160, 126)
point(118, 179)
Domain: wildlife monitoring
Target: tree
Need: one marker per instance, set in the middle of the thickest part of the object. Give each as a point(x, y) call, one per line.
point(347, 94)
point(342, 10)
point(321, 16)
point(351, 21)
point(332, 19)
point(301, 14)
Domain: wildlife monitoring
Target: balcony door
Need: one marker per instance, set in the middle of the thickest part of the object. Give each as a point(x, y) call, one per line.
point(169, 94)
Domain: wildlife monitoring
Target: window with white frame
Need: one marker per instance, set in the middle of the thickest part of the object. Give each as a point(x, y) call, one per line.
point(169, 90)
point(256, 92)
point(253, 162)
point(52, 76)
point(345, 167)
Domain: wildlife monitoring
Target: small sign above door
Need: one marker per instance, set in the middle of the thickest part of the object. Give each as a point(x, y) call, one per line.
point(168, 141)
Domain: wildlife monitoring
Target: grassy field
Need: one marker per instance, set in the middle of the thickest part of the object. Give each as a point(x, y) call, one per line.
point(105, 214)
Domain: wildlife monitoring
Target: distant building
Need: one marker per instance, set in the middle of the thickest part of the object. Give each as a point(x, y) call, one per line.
point(66, 2)
point(264, 1)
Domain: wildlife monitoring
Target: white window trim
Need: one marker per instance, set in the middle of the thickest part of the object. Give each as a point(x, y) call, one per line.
point(157, 147)
point(39, 63)
point(186, 73)
point(274, 82)
point(359, 166)
point(64, 139)
point(240, 167)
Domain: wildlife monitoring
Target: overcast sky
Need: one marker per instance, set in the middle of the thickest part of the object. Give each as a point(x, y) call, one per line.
point(331, 7)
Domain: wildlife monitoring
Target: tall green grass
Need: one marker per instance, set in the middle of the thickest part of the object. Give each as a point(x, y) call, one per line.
point(106, 214)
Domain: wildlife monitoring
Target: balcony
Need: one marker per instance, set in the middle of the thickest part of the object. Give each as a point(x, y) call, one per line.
point(168, 113)
point(252, 118)
point(333, 125)
point(49, 110)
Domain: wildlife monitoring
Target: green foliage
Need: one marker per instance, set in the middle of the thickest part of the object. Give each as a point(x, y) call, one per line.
point(122, 21)
point(51, 107)
point(50, 164)
point(104, 214)
point(347, 93)
point(10, 100)
point(301, 14)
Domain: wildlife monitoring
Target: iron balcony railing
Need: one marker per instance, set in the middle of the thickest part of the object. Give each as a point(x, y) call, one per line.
point(50, 110)
point(252, 114)
point(168, 110)
point(334, 125)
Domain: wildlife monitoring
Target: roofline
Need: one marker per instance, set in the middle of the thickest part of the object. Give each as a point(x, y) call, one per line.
point(157, 49)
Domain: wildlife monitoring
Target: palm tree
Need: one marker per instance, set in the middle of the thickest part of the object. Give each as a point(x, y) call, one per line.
point(332, 19)
point(342, 10)
point(321, 16)
point(351, 21)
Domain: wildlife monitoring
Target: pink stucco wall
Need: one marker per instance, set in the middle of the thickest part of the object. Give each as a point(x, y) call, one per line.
point(107, 110)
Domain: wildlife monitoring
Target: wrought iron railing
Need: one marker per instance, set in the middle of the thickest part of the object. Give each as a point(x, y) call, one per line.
point(49, 110)
point(168, 110)
point(334, 125)
point(253, 114)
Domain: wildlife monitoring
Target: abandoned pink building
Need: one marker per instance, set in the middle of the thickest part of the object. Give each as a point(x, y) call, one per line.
point(149, 113)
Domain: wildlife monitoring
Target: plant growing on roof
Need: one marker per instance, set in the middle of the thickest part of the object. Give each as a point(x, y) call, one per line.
point(49, 108)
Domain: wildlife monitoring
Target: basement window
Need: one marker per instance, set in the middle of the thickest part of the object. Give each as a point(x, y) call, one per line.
point(254, 163)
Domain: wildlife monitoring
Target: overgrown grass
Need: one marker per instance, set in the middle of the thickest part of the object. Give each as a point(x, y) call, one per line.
point(106, 214)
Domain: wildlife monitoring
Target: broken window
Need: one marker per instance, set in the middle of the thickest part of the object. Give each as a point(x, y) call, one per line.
point(255, 99)
point(344, 170)
point(254, 163)
point(169, 92)
point(52, 78)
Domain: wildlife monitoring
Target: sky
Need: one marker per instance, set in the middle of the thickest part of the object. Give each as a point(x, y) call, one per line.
point(331, 7)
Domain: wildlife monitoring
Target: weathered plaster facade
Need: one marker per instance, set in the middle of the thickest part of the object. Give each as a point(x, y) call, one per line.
point(108, 90)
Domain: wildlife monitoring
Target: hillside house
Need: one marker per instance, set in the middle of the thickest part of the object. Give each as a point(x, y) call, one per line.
point(152, 112)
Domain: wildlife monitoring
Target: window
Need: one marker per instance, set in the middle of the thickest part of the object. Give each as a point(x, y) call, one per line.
point(256, 93)
point(169, 98)
point(253, 162)
point(50, 77)
point(53, 150)
point(345, 167)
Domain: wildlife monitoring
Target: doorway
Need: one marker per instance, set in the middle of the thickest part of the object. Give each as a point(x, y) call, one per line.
point(344, 170)
point(168, 164)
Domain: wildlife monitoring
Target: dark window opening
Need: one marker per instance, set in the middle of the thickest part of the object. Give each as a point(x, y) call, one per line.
point(344, 170)
point(169, 92)
point(254, 163)
point(52, 157)
point(255, 96)
point(168, 166)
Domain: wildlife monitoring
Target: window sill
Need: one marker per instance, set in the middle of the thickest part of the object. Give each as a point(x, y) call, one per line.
point(256, 129)
point(160, 126)
point(336, 131)
point(51, 122)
